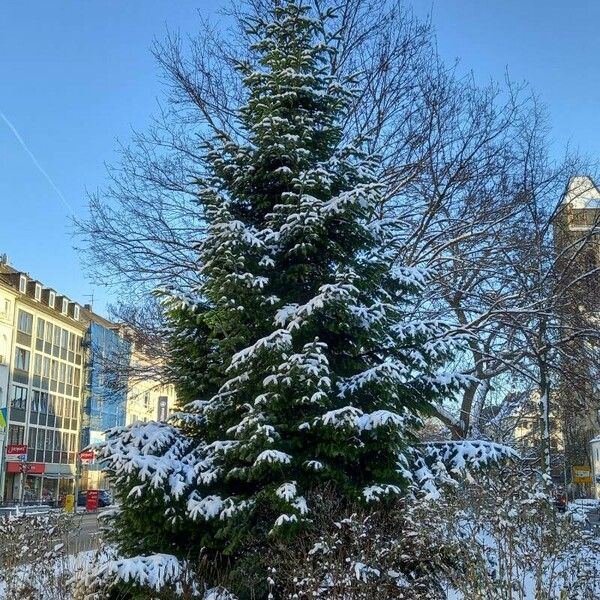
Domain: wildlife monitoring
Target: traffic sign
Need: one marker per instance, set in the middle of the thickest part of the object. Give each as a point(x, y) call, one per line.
point(582, 474)
point(16, 452)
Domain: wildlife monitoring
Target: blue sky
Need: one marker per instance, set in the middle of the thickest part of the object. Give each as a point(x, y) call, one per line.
point(76, 76)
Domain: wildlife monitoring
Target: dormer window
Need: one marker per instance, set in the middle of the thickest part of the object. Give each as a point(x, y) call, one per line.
point(65, 306)
point(51, 299)
point(22, 284)
point(37, 293)
point(76, 312)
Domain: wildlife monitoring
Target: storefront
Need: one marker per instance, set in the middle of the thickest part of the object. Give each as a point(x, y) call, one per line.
point(33, 483)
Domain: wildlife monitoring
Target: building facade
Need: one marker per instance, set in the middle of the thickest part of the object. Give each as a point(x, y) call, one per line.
point(107, 355)
point(148, 398)
point(7, 306)
point(44, 389)
point(577, 235)
point(64, 380)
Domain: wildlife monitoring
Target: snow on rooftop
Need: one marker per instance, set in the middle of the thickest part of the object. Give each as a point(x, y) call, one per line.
point(582, 192)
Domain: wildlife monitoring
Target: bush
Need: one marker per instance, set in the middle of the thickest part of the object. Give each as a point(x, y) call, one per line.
point(34, 561)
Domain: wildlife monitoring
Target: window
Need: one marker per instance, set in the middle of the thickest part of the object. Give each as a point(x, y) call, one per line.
point(64, 340)
point(19, 397)
point(25, 322)
point(46, 367)
point(72, 341)
point(59, 405)
point(32, 441)
point(51, 299)
point(22, 284)
point(65, 306)
point(40, 328)
point(7, 307)
point(76, 312)
point(21, 359)
point(61, 372)
point(54, 370)
point(49, 333)
point(56, 339)
point(70, 374)
point(43, 402)
point(16, 434)
point(35, 401)
point(37, 294)
point(37, 365)
point(146, 400)
point(51, 404)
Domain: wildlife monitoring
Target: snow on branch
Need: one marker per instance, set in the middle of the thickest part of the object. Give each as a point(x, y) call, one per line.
point(434, 464)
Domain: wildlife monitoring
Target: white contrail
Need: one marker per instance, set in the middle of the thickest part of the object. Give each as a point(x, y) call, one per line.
point(36, 162)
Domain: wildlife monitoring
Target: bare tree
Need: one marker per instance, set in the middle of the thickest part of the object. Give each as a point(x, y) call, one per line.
point(466, 166)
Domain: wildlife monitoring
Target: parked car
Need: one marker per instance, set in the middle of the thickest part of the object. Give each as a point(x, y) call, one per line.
point(104, 498)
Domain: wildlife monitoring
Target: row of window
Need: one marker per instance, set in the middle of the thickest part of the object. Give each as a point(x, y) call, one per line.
point(47, 367)
point(45, 445)
point(48, 334)
point(37, 294)
point(44, 403)
point(58, 336)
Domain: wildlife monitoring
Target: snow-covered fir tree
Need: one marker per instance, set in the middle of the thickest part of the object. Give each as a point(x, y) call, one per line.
point(298, 361)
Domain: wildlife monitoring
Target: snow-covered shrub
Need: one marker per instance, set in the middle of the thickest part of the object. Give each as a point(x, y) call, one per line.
point(515, 545)
point(353, 553)
point(34, 562)
point(495, 537)
point(158, 576)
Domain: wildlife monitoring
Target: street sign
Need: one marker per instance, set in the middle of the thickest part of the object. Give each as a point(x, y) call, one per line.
point(91, 501)
point(16, 452)
point(582, 474)
point(86, 457)
point(163, 408)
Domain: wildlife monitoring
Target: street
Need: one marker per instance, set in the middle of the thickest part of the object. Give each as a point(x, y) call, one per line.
point(86, 535)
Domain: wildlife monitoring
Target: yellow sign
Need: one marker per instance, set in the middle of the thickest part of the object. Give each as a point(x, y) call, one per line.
point(69, 503)
point(582, 474)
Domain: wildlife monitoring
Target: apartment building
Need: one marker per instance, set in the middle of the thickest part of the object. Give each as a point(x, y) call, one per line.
point(64, 379)
point(578, 244)
point(148, 398)
point(44, 386)
point(108, 354)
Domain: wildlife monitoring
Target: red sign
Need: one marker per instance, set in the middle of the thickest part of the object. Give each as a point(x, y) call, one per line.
point(28, 468)
point(16, 449)
point(87, 455)
point(91, 501)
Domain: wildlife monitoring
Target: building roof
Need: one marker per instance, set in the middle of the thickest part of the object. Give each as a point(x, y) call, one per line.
point(581, 192)
point(9, 277)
